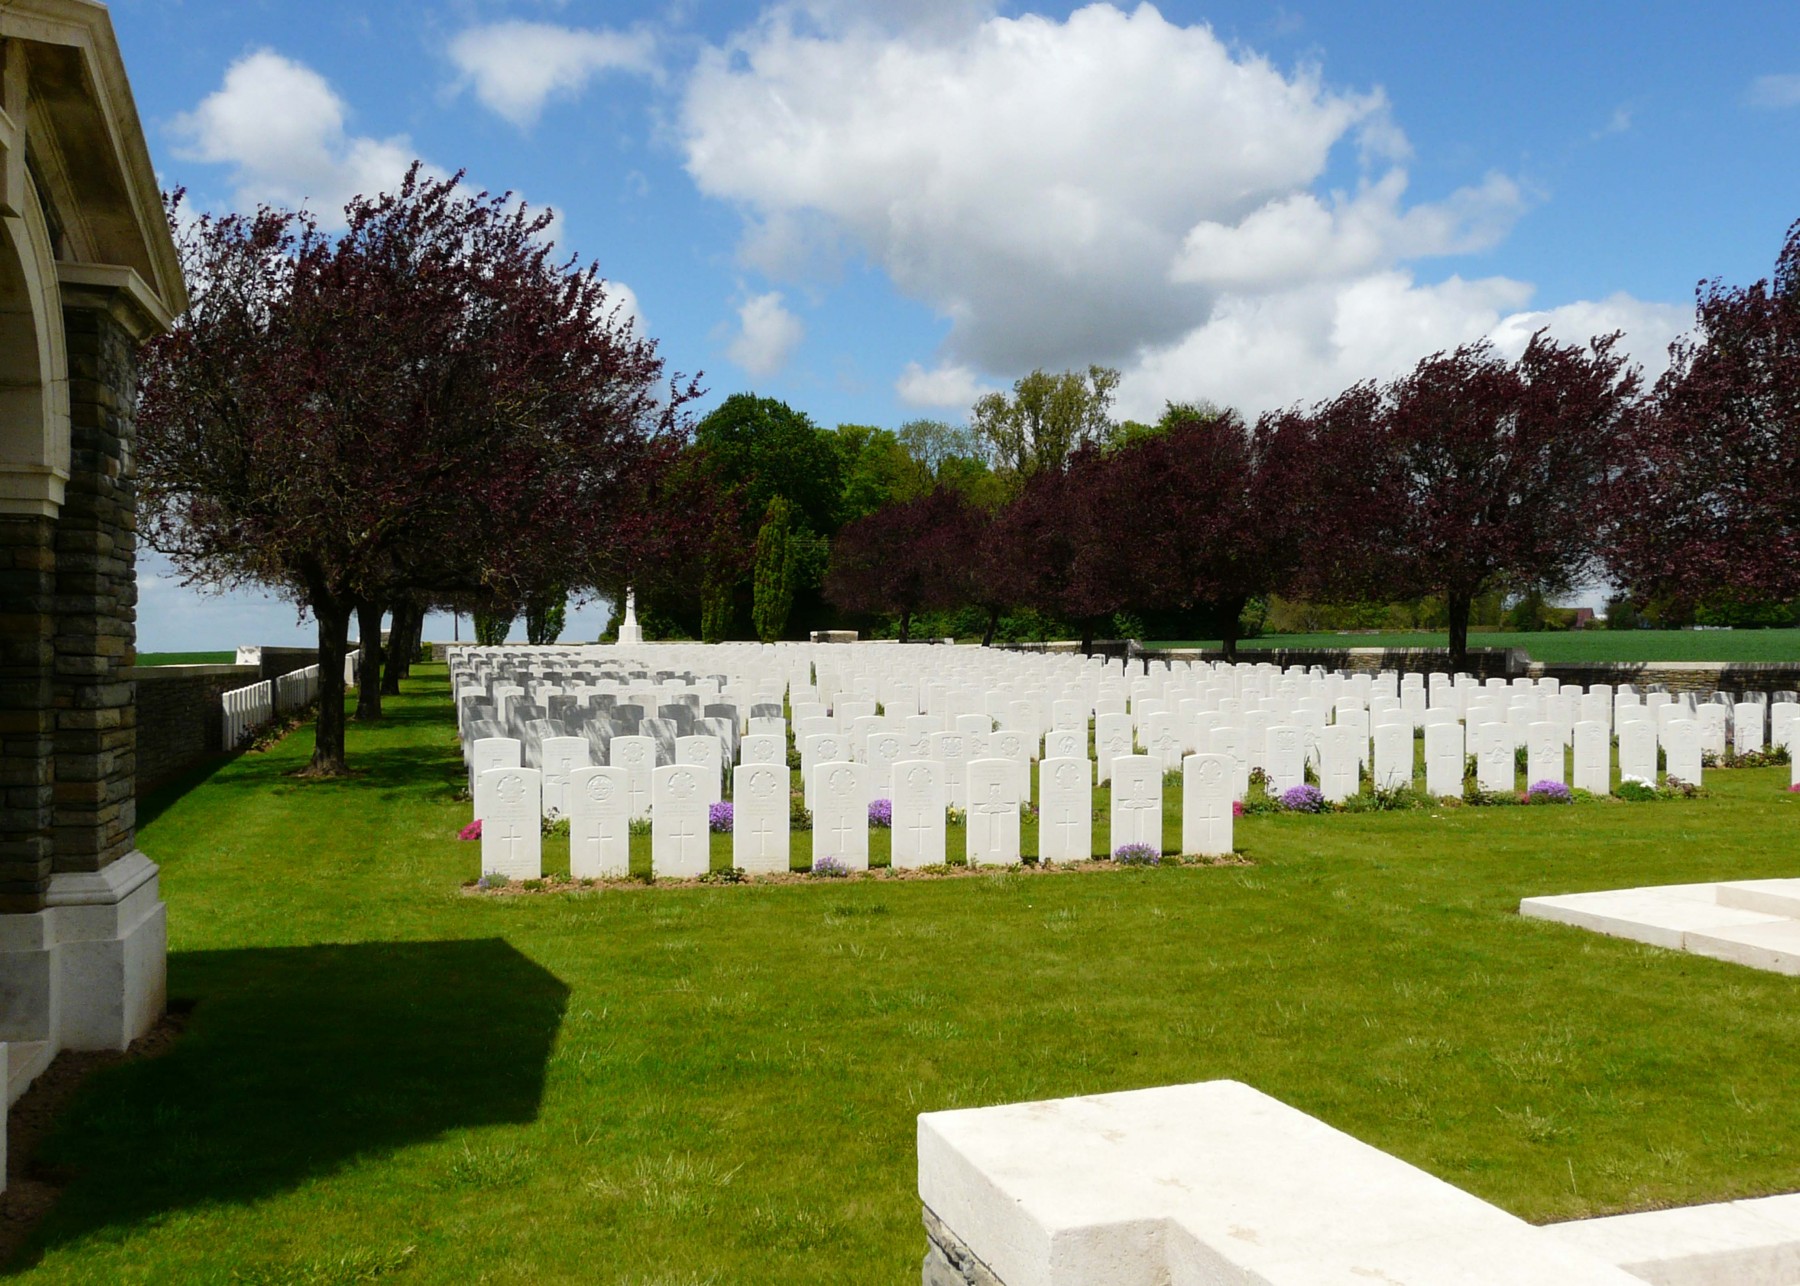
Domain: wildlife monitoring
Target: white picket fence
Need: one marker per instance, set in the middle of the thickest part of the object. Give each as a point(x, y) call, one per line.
point(247, 709)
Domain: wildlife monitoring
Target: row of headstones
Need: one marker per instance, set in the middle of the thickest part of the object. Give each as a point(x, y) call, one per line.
point(601, 809)
point(1338, 751)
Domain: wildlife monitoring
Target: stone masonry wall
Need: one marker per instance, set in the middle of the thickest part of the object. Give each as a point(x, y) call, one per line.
point(96, 601)
point(27, 726)
point(179, 716)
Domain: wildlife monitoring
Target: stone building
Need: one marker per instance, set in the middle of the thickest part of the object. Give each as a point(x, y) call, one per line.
point(87, 272)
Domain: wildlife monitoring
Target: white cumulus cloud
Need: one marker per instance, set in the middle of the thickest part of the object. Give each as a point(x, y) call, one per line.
point(1112, 187)
point(284, 132)
point(516, 67)
point(948, 387)
point(767, 335)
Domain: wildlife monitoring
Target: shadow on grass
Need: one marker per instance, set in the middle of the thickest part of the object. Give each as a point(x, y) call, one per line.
point(296, 1063)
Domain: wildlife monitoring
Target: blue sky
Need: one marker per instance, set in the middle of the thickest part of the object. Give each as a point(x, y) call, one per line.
point(877, 210)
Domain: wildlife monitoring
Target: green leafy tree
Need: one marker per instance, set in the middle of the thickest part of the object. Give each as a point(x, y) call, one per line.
point(878, 471)
point(757, 448)
point(544, 617)
point(774, 592)
point(1047, 418)
point(931, 443)
point(492, 626)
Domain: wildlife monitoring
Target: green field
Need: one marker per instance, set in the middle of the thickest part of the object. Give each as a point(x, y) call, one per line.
point(1561, 646)
point(384, 1077)
point(186, 658)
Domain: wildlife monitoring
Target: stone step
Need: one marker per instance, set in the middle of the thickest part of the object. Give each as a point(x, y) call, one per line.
point(1771, 897)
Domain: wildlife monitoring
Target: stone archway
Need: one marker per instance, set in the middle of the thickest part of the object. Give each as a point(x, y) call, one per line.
point(87, 271)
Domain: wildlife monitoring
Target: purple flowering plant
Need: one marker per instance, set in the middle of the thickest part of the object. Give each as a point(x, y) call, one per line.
point(1548, 792)
point(1303, 799)
point(1137, 855)
point(718, 817)
point(881, 814)
point(829, 868)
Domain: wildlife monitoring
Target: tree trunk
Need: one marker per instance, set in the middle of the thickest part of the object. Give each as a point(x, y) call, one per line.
point(368, 674)
point(395, 661)
point(333, 616)
point(413, 636)
point(1459, 605)
point(1087, 636)
point(906, 626)
point(1232, 612)
point(993, 623)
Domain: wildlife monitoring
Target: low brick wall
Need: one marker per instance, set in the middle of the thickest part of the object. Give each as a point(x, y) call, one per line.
point(179, 716)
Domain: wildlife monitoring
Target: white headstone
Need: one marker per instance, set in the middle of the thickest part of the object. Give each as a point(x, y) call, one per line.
point(1112, 738)
point(1206, 803)
point(1069, 714)
point(763, 748)
point(881, 752)
point(1136, 802)
point(599, 824)
point(560, 757)
point(918, 820)
point(1714, 719)
point(1637, 751)
point(819, 748)
point(841, 813)
point(1681, 751)
point(1784, 718)
point(708, 755)
point(1543, 753)
point(759, 817)
point(1747, 727)
point(1495, 767)
point(1393, 768)
point(1229, 741)
point(1593, 756)
point(1445, 758)
point(1284, 759)
point(952, 749)
point(493, 752)
point(1065, 743)
point(1065, 809)
point(680, 841)
point(512, 833)
point(1339, 778)
point(992, 834)
point(637, 756)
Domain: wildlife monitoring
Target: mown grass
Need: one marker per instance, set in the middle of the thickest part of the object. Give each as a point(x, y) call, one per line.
point(385, 1078)
point(1562, 645)
point(186, 658)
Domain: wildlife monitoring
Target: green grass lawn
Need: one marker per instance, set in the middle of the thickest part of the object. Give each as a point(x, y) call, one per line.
point(1562, 645)
point(384, 1075)
point(186, 658)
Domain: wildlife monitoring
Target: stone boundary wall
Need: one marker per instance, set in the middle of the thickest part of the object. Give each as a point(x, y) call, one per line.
point(273, 662)
point(1506, 663)
point(179, 716)
point(1679, 676)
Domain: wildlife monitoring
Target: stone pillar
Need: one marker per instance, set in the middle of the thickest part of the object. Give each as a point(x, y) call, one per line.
point(83, 942)
point(96, 596)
